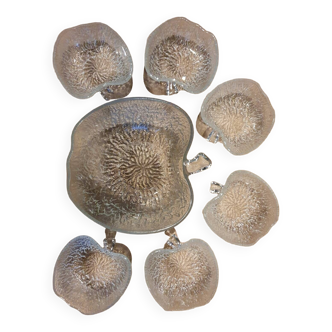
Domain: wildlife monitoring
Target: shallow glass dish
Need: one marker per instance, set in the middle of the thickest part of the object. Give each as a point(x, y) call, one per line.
point(245, 209)
point(92, 58)
point(182, 277)
point(128, 168)
point(238, 114)
point(180, 55)
point(90, 278)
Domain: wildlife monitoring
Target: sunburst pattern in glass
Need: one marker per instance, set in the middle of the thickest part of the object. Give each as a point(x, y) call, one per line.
point(181, 59)
point(88, 65)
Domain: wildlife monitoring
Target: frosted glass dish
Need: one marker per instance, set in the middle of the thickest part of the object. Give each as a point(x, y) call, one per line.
point(180, 55)
point(92, 58)
point(245, 209)
point(90, 278)
point(128, 167)
point(238, 114)
point(184, 277)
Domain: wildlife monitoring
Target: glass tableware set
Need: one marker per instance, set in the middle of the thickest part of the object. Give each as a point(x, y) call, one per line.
point(128, 169)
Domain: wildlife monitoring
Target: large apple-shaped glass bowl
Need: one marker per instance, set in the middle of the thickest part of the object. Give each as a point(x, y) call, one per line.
point(128, 167)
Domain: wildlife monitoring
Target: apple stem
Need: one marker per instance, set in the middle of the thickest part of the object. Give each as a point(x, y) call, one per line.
point(109, 241)
point(173, 240)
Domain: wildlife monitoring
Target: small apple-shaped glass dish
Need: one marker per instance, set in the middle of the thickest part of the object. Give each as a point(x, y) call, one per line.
point(91, 278)
point(91, 58)
point(128, 168)
point(180, 55)
point(238, 114)
point(245, 209)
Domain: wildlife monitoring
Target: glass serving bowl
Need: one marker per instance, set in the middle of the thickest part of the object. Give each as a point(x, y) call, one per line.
point(128, 168)
point(180, 55)
point(92, 58)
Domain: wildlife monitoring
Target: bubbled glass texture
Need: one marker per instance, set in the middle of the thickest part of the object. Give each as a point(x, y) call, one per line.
point(90, 278)
point(126, 166)
point(184, 277)
point(181, 54)
point(237, 113)
point(244, 210)
point(92, 57)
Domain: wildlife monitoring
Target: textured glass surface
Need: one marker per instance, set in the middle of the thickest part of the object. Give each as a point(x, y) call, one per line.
point(128, 170)
point(244, 211)
point(180, 55)
point(237, 113)
point(159, 88)
point(184, 277)
point(90, 278)
point(117, 91)
point(92, 57)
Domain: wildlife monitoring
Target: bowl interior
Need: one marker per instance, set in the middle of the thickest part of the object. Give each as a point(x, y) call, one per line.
point(183, 53)
point(240, 113)
point(125, 169)
point(89, 57)
point(244, 211)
